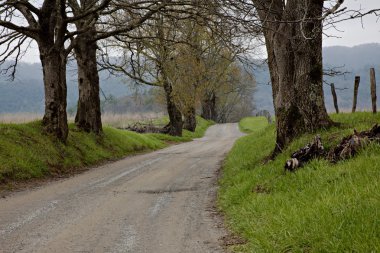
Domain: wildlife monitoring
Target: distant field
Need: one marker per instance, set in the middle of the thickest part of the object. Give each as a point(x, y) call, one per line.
point(320, 208)
point(124, 120)
point(16, 118)
point(109, 119)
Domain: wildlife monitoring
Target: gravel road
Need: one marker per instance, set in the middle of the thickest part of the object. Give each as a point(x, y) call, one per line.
point(156, 202)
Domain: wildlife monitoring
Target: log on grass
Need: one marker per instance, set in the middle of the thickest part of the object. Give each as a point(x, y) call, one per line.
point(143, 128)
point(347, 148)
point(312, 150)
point(350, 145)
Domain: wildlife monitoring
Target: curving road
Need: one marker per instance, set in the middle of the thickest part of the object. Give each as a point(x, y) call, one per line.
point(156, 202)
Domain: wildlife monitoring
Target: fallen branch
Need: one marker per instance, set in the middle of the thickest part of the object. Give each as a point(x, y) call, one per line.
point(350, 145)
point(312, 150)
point(347, 148)
point(143, 128)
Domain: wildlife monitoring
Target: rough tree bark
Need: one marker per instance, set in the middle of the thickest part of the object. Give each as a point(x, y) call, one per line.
point(50, 40)
point(163, 56)
point(295, 64)
point(47, 24)
point(209, 111)
point(88, 117)
point(54, 71)
point(175, 117)
point(190, 122)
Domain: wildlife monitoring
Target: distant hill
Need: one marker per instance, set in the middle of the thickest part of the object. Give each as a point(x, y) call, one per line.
point(26, 92)
point(352, 58)
point(355, 60)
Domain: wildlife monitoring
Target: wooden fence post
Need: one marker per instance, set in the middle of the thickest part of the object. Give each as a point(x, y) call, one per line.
point(334, 98)
point(356, 87)
point(373, 89)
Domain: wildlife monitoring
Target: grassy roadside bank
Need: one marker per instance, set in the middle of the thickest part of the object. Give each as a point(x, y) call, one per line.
point(320, 208)
point(27, 153)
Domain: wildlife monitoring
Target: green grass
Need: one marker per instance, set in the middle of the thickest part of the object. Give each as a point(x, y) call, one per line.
point(252, 124)
point(26, 152)
point(320, 208)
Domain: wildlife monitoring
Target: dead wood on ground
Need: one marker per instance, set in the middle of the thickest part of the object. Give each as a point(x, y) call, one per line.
point(144, 128)
point(347, 148)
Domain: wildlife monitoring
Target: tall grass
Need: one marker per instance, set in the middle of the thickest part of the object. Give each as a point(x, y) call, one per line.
point(118, 120)
point(320, 208)
point(16, 118)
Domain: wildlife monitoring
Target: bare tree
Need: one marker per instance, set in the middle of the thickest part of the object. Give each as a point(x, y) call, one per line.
point(147, 53)
point(116, 18)
point(235, 94)
point(47, 25)
point(176, 50)
point(88, 116)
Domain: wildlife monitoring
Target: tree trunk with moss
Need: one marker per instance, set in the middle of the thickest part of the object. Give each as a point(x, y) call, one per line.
point(175, 116)
point(190, 122)
point(88, 117)
point(50, 37)
point(295, 64)
point(54, 70)
point(209, 106)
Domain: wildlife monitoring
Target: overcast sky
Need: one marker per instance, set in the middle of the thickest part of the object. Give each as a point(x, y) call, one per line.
point(351, 32)
point(355, 32)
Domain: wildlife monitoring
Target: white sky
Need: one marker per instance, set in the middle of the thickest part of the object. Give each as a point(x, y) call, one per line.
point(355, 32)
point(350, 33)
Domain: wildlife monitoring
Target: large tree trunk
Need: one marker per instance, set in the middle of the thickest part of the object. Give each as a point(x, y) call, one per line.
point(88, 117)
point(175, 125)
point(54, 71)
point(209, 111)
point(190, 122)
point(51, 43)
point(295, 64)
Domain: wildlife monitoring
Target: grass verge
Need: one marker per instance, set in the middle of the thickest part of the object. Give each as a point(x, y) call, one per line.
point(320, 208)
point(252, 124)
point(26, 152)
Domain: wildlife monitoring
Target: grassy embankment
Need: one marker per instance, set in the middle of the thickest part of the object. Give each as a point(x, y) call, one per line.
point(25, 152)
point(320, 208)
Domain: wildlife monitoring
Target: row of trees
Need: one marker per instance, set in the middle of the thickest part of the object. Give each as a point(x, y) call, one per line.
point(189, 61)
point(189, 48)
point(161, 43)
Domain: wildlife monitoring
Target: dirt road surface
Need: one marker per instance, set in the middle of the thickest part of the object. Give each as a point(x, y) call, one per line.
point(156, 202)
